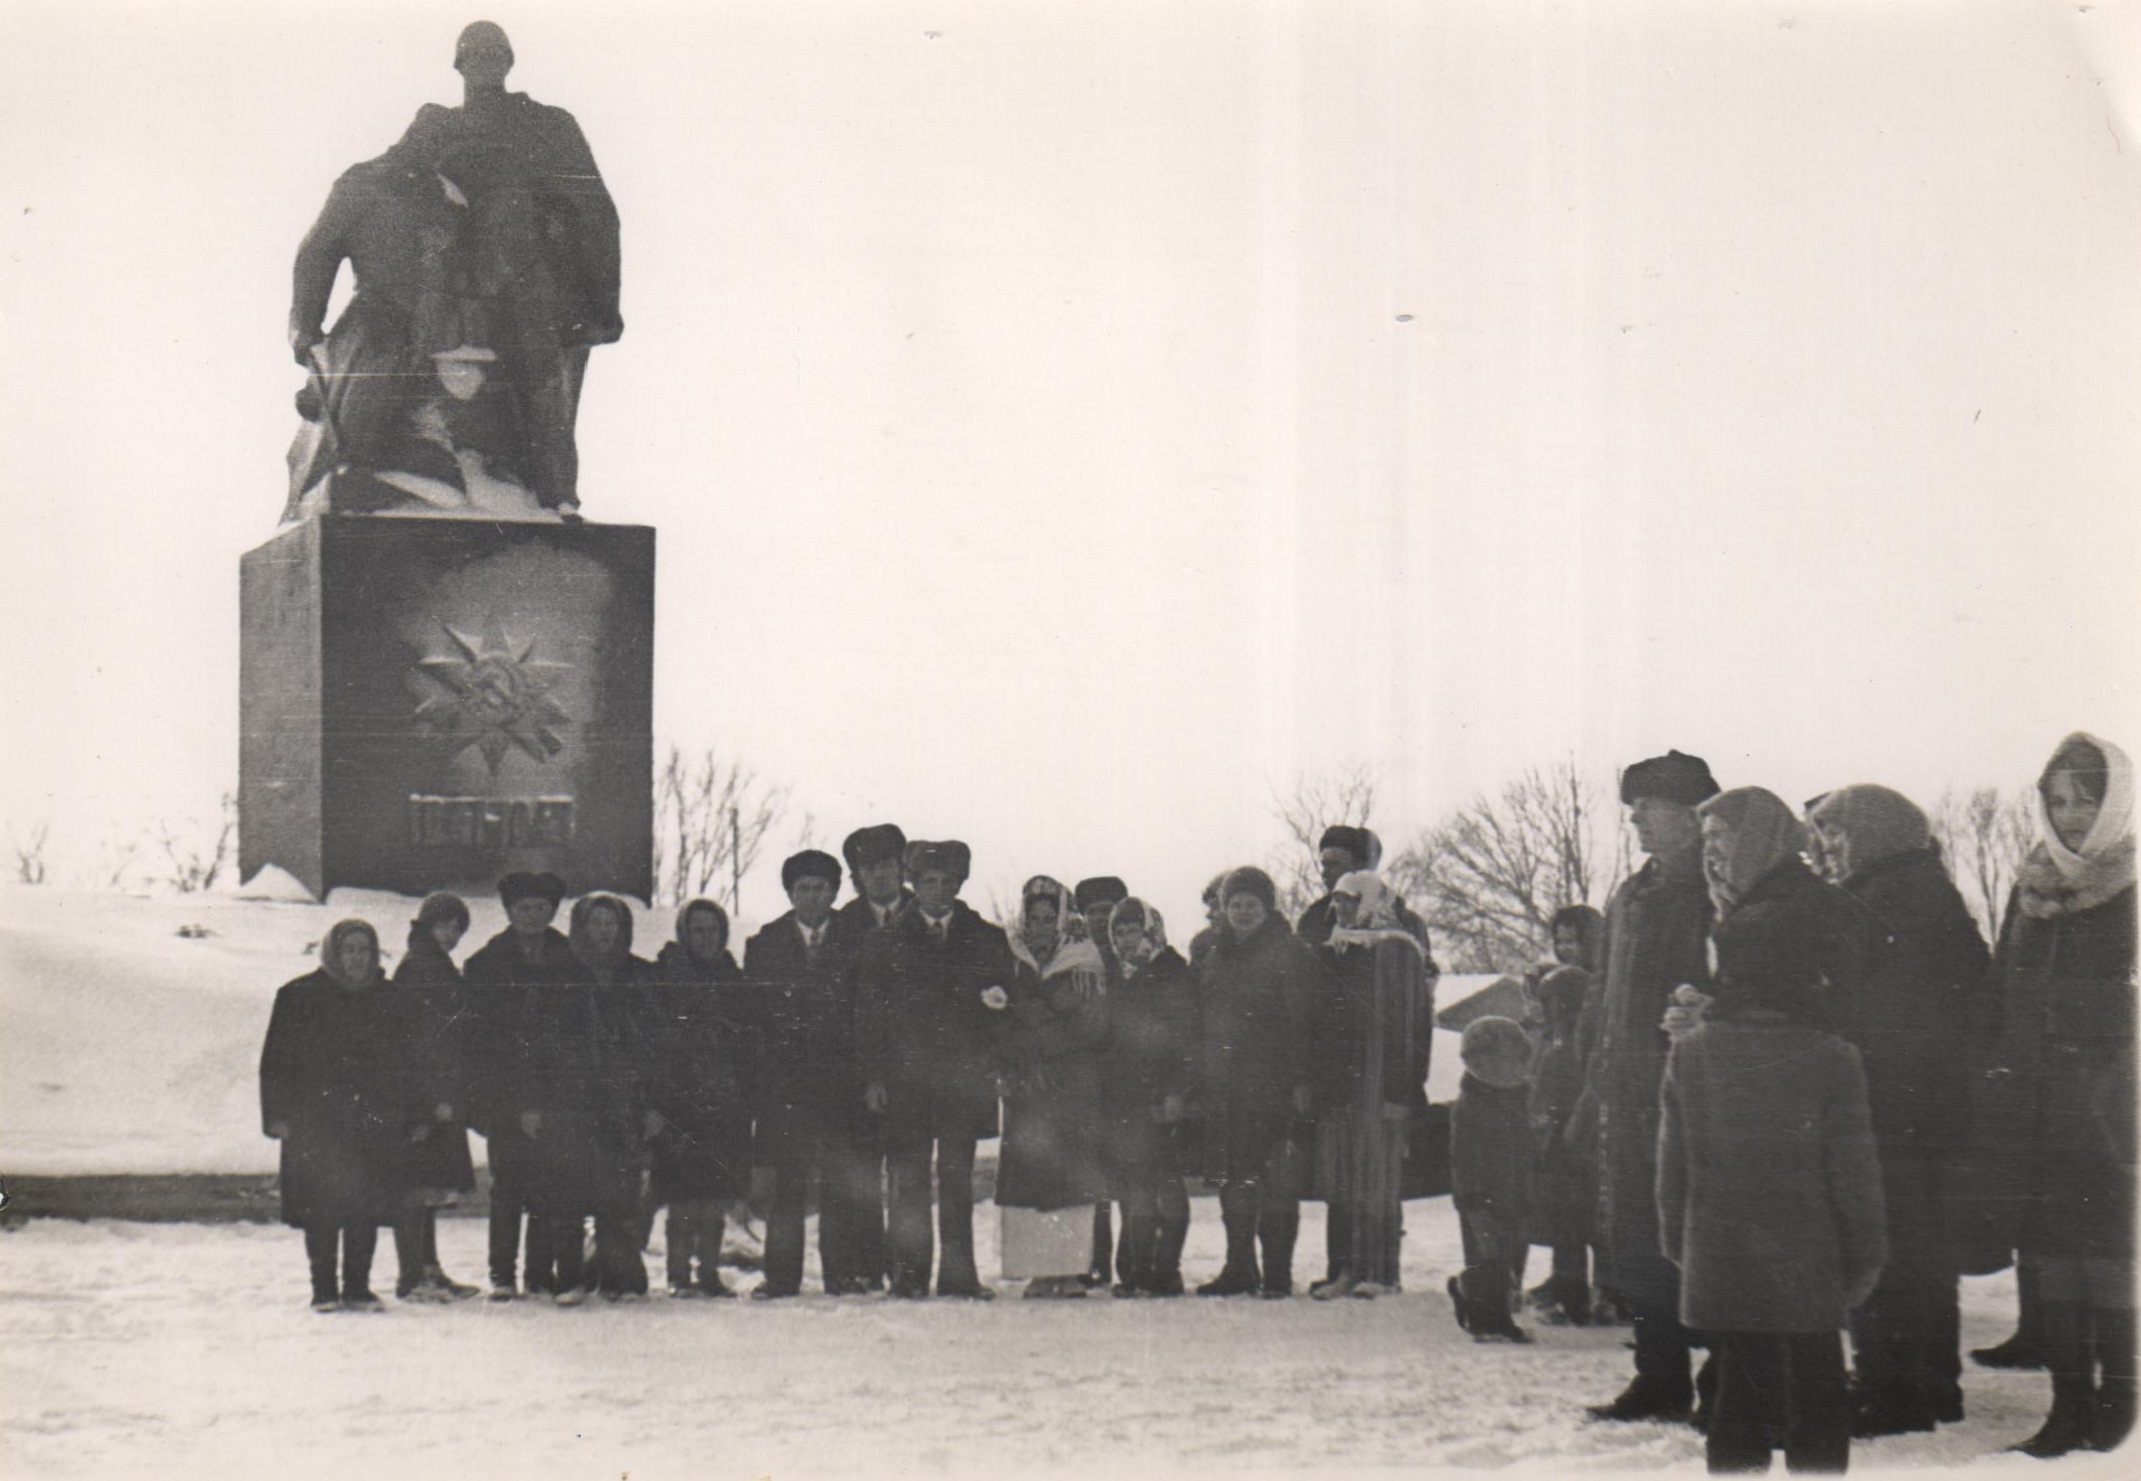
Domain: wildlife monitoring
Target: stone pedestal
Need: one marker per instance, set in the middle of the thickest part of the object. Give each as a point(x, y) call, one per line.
point(428, 703)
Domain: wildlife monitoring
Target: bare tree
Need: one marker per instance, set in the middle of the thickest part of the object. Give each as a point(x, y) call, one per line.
point(1983, 836)
point(1318, 801)
point(30, 853)
point(113, 868)
point(195, 857)
point(1489, 878)
point(712, 817)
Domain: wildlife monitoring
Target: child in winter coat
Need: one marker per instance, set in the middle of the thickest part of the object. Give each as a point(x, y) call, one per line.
point(1565, 1176)
point(1490, 1171)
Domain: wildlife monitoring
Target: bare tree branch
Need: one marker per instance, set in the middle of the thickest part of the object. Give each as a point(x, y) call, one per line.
point(30, 853)
point(193, 858)
point(712, 817)
point(1489, 878)
point(1318, 801)
point(1983, 835)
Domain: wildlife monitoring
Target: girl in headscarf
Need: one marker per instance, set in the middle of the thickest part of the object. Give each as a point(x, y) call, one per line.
point(1055, 1020)
point(333, 1092)
point(434, 1017)
point(2061, 1088)
point(1769, 1185)
point(1922, 990)
point(590, 1058)
point(702, 1154)
point(1148, 1074)
point(1372, 1042)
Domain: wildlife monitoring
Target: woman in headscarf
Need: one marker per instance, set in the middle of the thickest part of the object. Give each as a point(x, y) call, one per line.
point(334, 1093)
point(591, 1070)
point(1768, 1184)
point(2061, 1088)
point(1923, 989)
point(1376, 1027)
point(434, 1017)
point(1149, 1070)
point(1054, 1022)
point(1261, 987)
point(702, 1154)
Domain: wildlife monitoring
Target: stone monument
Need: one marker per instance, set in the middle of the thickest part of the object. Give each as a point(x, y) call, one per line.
point(445, 672)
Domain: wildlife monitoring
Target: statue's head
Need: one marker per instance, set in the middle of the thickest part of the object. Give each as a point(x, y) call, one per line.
point(482, 54)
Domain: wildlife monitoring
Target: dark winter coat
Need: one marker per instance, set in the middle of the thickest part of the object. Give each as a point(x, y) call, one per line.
point(1798, 945)
point(1051, 1039)
point(333, 1079)
point(1490, 1153)
point(1259, 1002)
point(2059, 1095)
point(1769, 1185)
point(1564, 1200)
point(921, 1029)
point(1150, 1054)
point(591, 1072)
point(809, 1085)
point(1657, 937)
point(435, 1019)
point(498, 979)
point(702, 1052)
point(1375, 1028)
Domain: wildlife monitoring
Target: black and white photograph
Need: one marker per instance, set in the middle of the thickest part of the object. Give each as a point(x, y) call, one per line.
point(874, 738)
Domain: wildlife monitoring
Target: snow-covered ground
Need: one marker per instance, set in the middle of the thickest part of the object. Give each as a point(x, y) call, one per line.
point(189, 1350)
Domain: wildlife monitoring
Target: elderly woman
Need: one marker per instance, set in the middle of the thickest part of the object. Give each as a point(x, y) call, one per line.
point(586, 1104)
point(1922, 990)
point(701, 1048)
point(1372, 1039)
point(1262, 987)
point(1769, 1186)
point(1054, 1023)
point(2061, 1088)
point(333, 1092)
point(434, 1013)
point(1148, 1071)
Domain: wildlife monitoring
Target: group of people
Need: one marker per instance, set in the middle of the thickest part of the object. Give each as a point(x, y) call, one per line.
point(1778, 1089)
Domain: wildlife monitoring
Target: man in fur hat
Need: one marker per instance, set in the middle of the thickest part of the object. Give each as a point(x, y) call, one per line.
point(877, 864)
point(1657, 939)
point(927, 991)
point(528, 953)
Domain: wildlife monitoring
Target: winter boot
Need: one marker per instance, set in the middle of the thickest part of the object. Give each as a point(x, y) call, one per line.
point(2063, 1330)
point(2025, 1350)
point(326, 1295)
point(1277, 1233)
point(2113, 1417)
point(1337, 1246)
point(408, 1255)
point(1101, 1269)
point(1237, 1209)
point(1133, 1260)
point(1165, 1276)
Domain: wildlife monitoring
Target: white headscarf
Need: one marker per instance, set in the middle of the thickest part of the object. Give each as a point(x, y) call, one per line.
point(1377, 919)
point(2056, 880)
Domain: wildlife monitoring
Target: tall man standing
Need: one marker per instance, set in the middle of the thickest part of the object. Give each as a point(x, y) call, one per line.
point(877, 863)
point(927, 989)
point(526, 956)
point(1657, 936)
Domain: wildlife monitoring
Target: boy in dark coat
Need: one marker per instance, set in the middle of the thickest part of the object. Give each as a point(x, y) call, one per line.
point(811, 1117)
point(501, 977)
point(926, 1045)
point(1490, 1173)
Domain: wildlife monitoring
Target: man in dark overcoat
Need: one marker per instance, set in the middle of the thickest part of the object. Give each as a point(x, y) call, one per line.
point(811, 1116)
point(526, 956)
point(1657, 934)
point(925, 1039)
point(877, 863)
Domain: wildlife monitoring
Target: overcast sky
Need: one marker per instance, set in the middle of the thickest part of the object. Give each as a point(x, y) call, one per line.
point(1066, 423)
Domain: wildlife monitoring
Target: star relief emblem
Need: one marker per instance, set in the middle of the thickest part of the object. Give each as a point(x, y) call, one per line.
point(493, 694)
